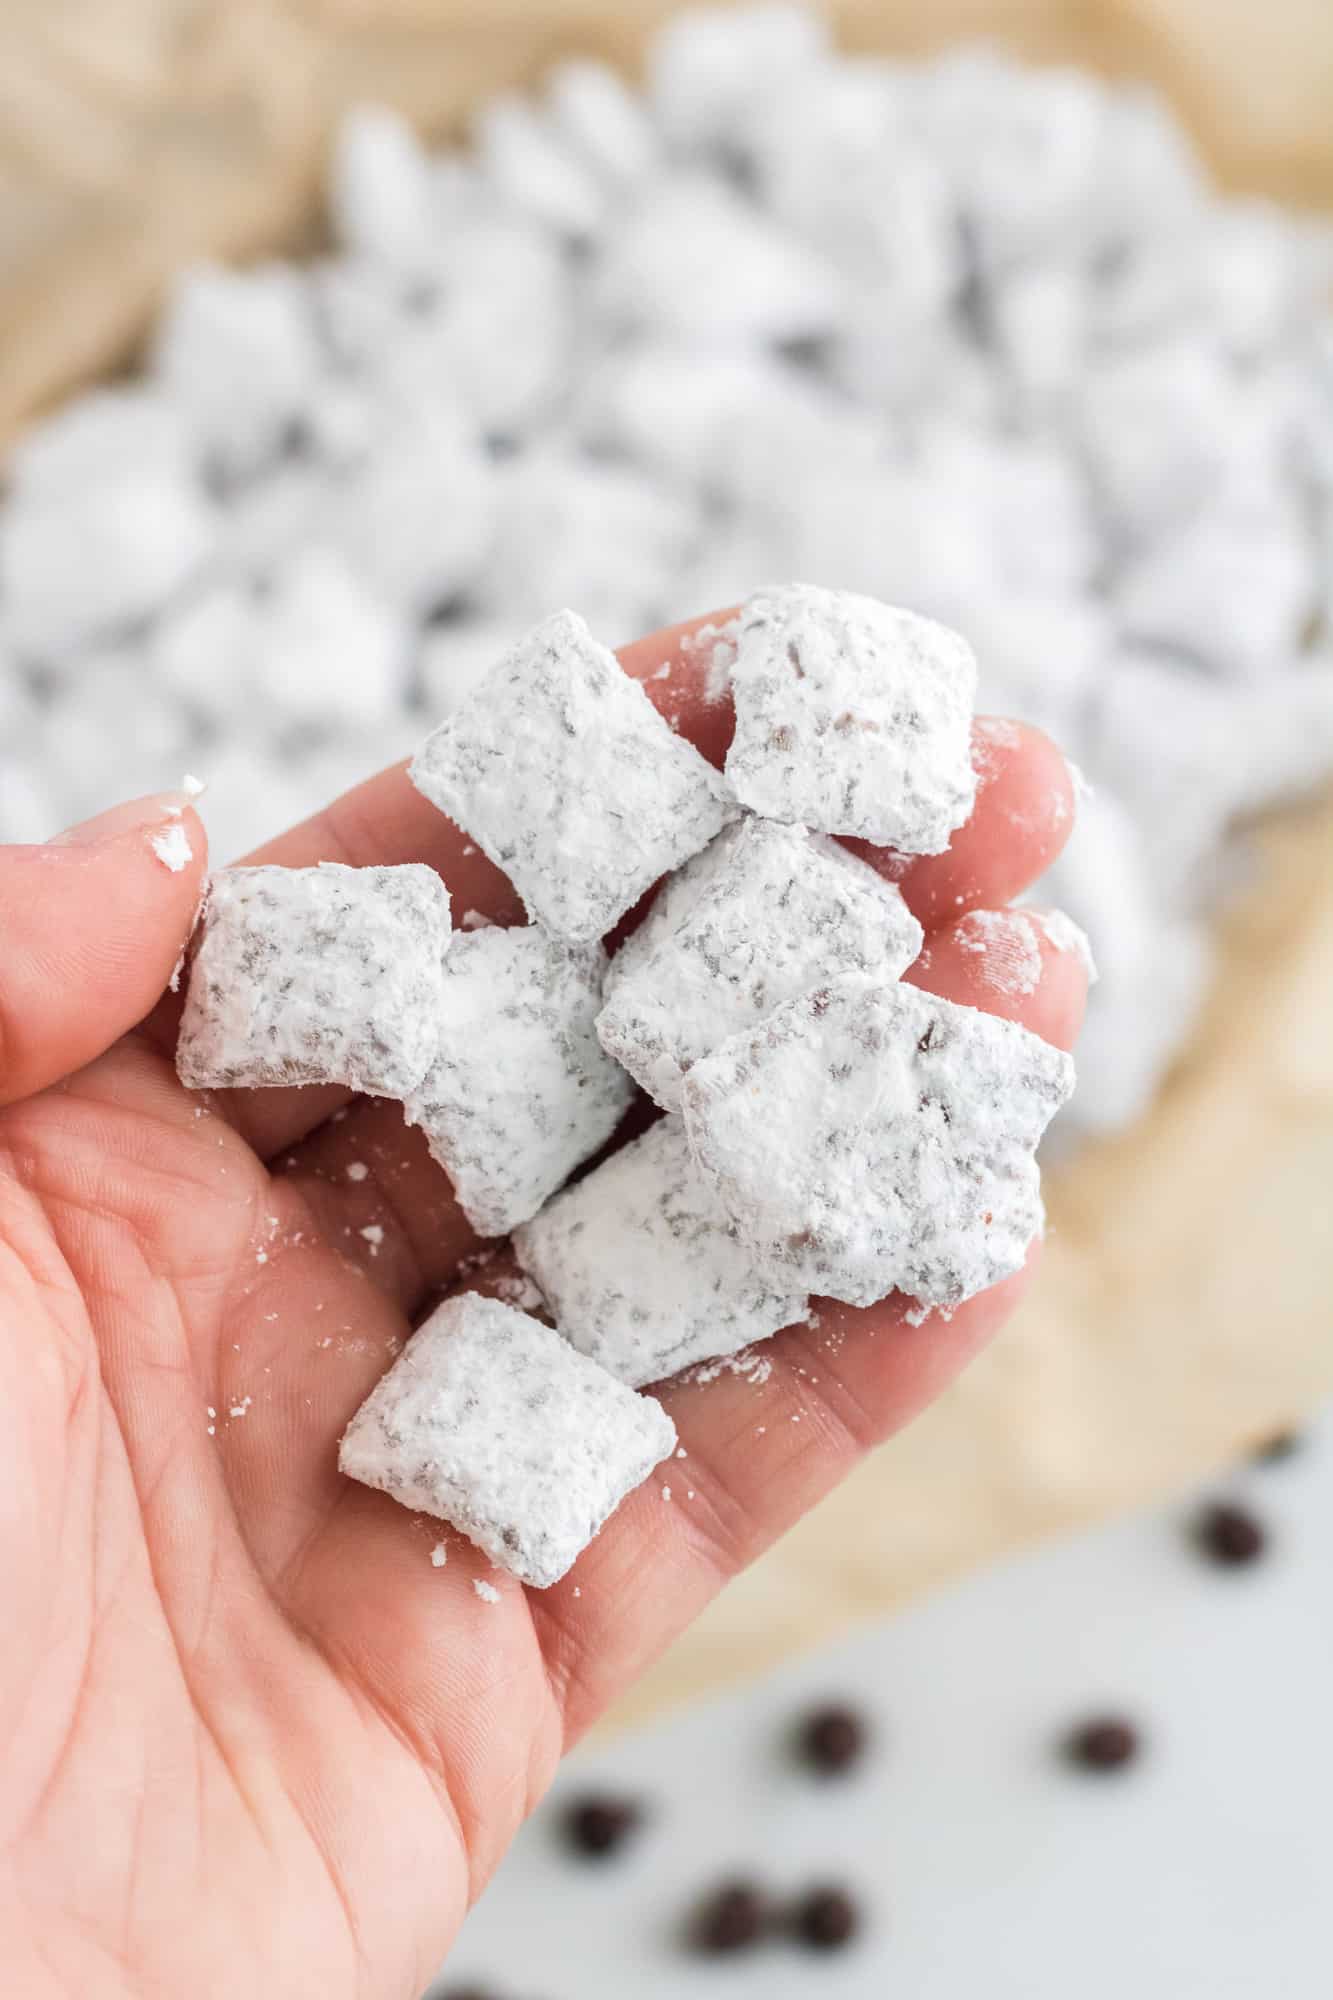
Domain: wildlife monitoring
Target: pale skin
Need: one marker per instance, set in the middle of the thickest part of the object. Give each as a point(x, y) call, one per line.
point(254, 1741)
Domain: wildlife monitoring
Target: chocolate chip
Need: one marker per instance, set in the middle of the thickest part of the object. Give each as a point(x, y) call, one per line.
point(1103, 1743)
point(732, 1919)
point(1231, 1535)
point(832, 1739)
point(598, 1825)
point(825, 1919)
point(1284, 1445)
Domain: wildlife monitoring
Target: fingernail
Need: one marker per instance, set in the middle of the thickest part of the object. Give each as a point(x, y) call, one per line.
point(1063, 934)
point(133, 814)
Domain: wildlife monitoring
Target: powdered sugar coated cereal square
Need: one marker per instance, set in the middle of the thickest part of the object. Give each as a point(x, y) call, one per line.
point(870, 1138)
point(852, 717)
point(520, 1091)
point(316, 975)
point(787, 910)
point(563, 772)
point(642, 1270)
point(492, 1422)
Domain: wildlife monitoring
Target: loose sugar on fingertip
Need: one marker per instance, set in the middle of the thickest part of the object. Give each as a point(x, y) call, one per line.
point(172, 848)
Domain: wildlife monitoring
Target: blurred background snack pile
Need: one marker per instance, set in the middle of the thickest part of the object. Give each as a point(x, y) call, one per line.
point(536, 307)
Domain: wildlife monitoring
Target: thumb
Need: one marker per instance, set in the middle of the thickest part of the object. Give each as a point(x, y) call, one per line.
point(92, 924)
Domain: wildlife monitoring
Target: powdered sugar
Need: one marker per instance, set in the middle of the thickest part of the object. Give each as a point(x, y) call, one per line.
point(1007, 941)
point(172, 848)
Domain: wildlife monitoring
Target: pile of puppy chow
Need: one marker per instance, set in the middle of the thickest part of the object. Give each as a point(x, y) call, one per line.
point(958, 334)
point(828, 1130)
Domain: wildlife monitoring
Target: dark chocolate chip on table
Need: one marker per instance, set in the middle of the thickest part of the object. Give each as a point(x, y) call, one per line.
point(1103, 1743)
point(1230, 1535)
point(1284, 1445)
point(731, 1919)
point(599, 1824)
point(833, 1739)
point(825, 1919)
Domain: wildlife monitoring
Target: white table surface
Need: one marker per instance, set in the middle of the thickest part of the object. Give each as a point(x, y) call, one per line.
point(987, 1867)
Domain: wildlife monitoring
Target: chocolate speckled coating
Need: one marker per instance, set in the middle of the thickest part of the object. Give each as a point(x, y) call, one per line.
point(643, 1271)
point(853, 718)
point(316, 975)
point(866, 1139)
point(784, 911)
point(563, 772)
point(520, 1091)
point(492, 1422)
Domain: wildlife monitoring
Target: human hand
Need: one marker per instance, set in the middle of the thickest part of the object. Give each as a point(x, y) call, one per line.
point(254, 1742)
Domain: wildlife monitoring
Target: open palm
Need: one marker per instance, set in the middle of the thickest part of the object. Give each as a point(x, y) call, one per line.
point(255, 1741)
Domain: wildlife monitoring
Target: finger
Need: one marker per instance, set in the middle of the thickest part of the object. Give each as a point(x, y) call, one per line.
point(1016, 963)
point(369, 1179)
point(1023, 816)
point(92, 925)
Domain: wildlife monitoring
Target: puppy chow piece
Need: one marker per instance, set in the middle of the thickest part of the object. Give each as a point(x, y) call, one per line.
point(237, 352)
point(710, 65)
point(316, 975)
point(789, 910)
point(381, 201)
point(532, 166)
point(563, 772)
point(603, 120)
point(96, 437)
point(870, 1138)
point(492, 1422)
point(520, 1091)
point(692, 259)
point(852, 717)
point(415, 519)
point(643, 1271)
point(327, 651)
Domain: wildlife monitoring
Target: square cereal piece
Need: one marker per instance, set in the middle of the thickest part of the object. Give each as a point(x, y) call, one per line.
point(520, 1091)
point(563, 772)
point(492, 1422)
point(642, 1270)
point(852, 717)
point(316, 975)
point(786, 910)
point(866, 1139)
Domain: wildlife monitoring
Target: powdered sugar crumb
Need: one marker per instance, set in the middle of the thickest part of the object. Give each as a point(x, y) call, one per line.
point(756, 1368)
point(1005, 939)
point(473, 920)
point(439, 1556)
point(172, 848)
point(714, 648)
point(374, 1236)
point(1061, 931)
point(487, 1592)
point(357, 1170)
